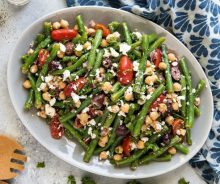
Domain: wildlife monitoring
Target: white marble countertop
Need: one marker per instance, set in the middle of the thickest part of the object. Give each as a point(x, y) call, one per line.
point(13, 20)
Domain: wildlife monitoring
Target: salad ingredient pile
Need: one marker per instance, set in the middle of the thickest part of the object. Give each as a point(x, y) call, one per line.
point(121, 94)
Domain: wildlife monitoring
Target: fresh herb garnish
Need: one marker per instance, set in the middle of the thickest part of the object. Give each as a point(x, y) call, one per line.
point(40, 165)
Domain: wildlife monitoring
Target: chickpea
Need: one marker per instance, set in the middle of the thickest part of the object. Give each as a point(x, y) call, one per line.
point(149, 80)
point(150, 90)
point(106, 87)
point(27, 84)
point(103, 155)
point(172, 150)
point(148, 120)
point(104, 43)
point(172, 57)
point(76, 27)
point(197, 101)
point(101, 70)
point(175, 106)
point(125, 108)
point(117, 157)
point(162, 66)
point(154, 115)
point(149, 71)
point(61, 85)
point(46, 96)
point(84, 118)
point(102, 141)
point(34, 69)
point(115, 109)
point(60, 54)
point(119, 149)
point(128, 96)
point(45, 89)
point(78, 103)
point(144, 128)
point(148, 64)
point(91, 31)
point(169, 120)
point(140, 144)
point(62, 96)
point(162, 108)
point(177, 87)
point(56, 25)
point(64, 23)
point(42, 114)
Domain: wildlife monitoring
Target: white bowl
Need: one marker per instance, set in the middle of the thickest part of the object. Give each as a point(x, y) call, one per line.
point(71, 152)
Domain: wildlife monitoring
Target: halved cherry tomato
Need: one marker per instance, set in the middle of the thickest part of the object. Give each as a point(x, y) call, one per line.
point(176, 125)
point(125, 70)
point(156, 57)
point(158, 101)
point(104, 29)
point(126, 145)
point(74, 86)
point(63, 34)
point(56, 128)
point(42, 57)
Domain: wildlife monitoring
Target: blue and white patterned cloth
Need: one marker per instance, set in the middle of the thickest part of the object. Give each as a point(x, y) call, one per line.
point(196, 23)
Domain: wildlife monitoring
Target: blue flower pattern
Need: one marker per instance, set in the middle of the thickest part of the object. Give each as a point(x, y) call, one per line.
point(200, 21)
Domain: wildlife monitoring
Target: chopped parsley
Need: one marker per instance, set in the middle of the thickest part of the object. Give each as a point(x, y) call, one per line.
point(182, 181)
point(40, 165)
point(88, 180)
point(71, 180)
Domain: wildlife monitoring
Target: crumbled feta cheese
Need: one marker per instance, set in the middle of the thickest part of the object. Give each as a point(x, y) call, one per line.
point(75, 97)
point(135, 66)
point(193, 90)
point(90, 130)
point(93, 136)
point(114, 53)
point(79, 47)
point(42, 78)
point(85, 64)
point(138, 35)
point(145, 139)
point(48, 78)
point(52, 101)
point(66, 75)
point(148, 97)
point(113, 72)
point(43, 85)
point(60, 67)
point(158, 127)
point(174, 63)
point(106, 53)
point(124, 48)
point(85, 110)
point(62, 47)
point(121, 114)
point(92, 122)
point(98, 77)
point(113, 35)
point(133, 146)
point(115, 65)
point(50, 111)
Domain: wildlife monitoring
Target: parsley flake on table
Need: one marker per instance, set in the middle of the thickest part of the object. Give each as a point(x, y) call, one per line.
point(40, 165)
point(71, 180)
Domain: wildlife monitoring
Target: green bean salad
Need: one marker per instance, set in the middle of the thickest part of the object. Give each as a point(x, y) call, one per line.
point(122, 95)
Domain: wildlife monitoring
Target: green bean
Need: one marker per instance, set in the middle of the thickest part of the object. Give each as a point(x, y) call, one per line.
point(182, 181)
point(126, 33)
point(137, 53)
point(115, 87)
point(200, 86)
point(29, 102)
point(159, 152)
point(183, 94)
point(70, 58)
point(24, 57)
point(73, 76)
point(141, 68)
point(73, 67)
point(83, 105)
point(148, 145)
point(77, 39)
point(169, 82)
point(30, 60)
point(113, 26)
point(117, 95)
point(43, 72)
point(190, 96)
point(97, 64)
point(112, 136)
point(197, 111)
point(40, 38)
point(113, 146)
point(75, 134)
point(183, 149)
point(47, 28)
point(95, 44)
point(164, 158)
point(132, 108)
point(109, 120)
point(188, 136)
point(142, 114)
point(81, 28)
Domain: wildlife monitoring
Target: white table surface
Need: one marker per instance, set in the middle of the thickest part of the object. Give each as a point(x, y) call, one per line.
point(13, 20)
